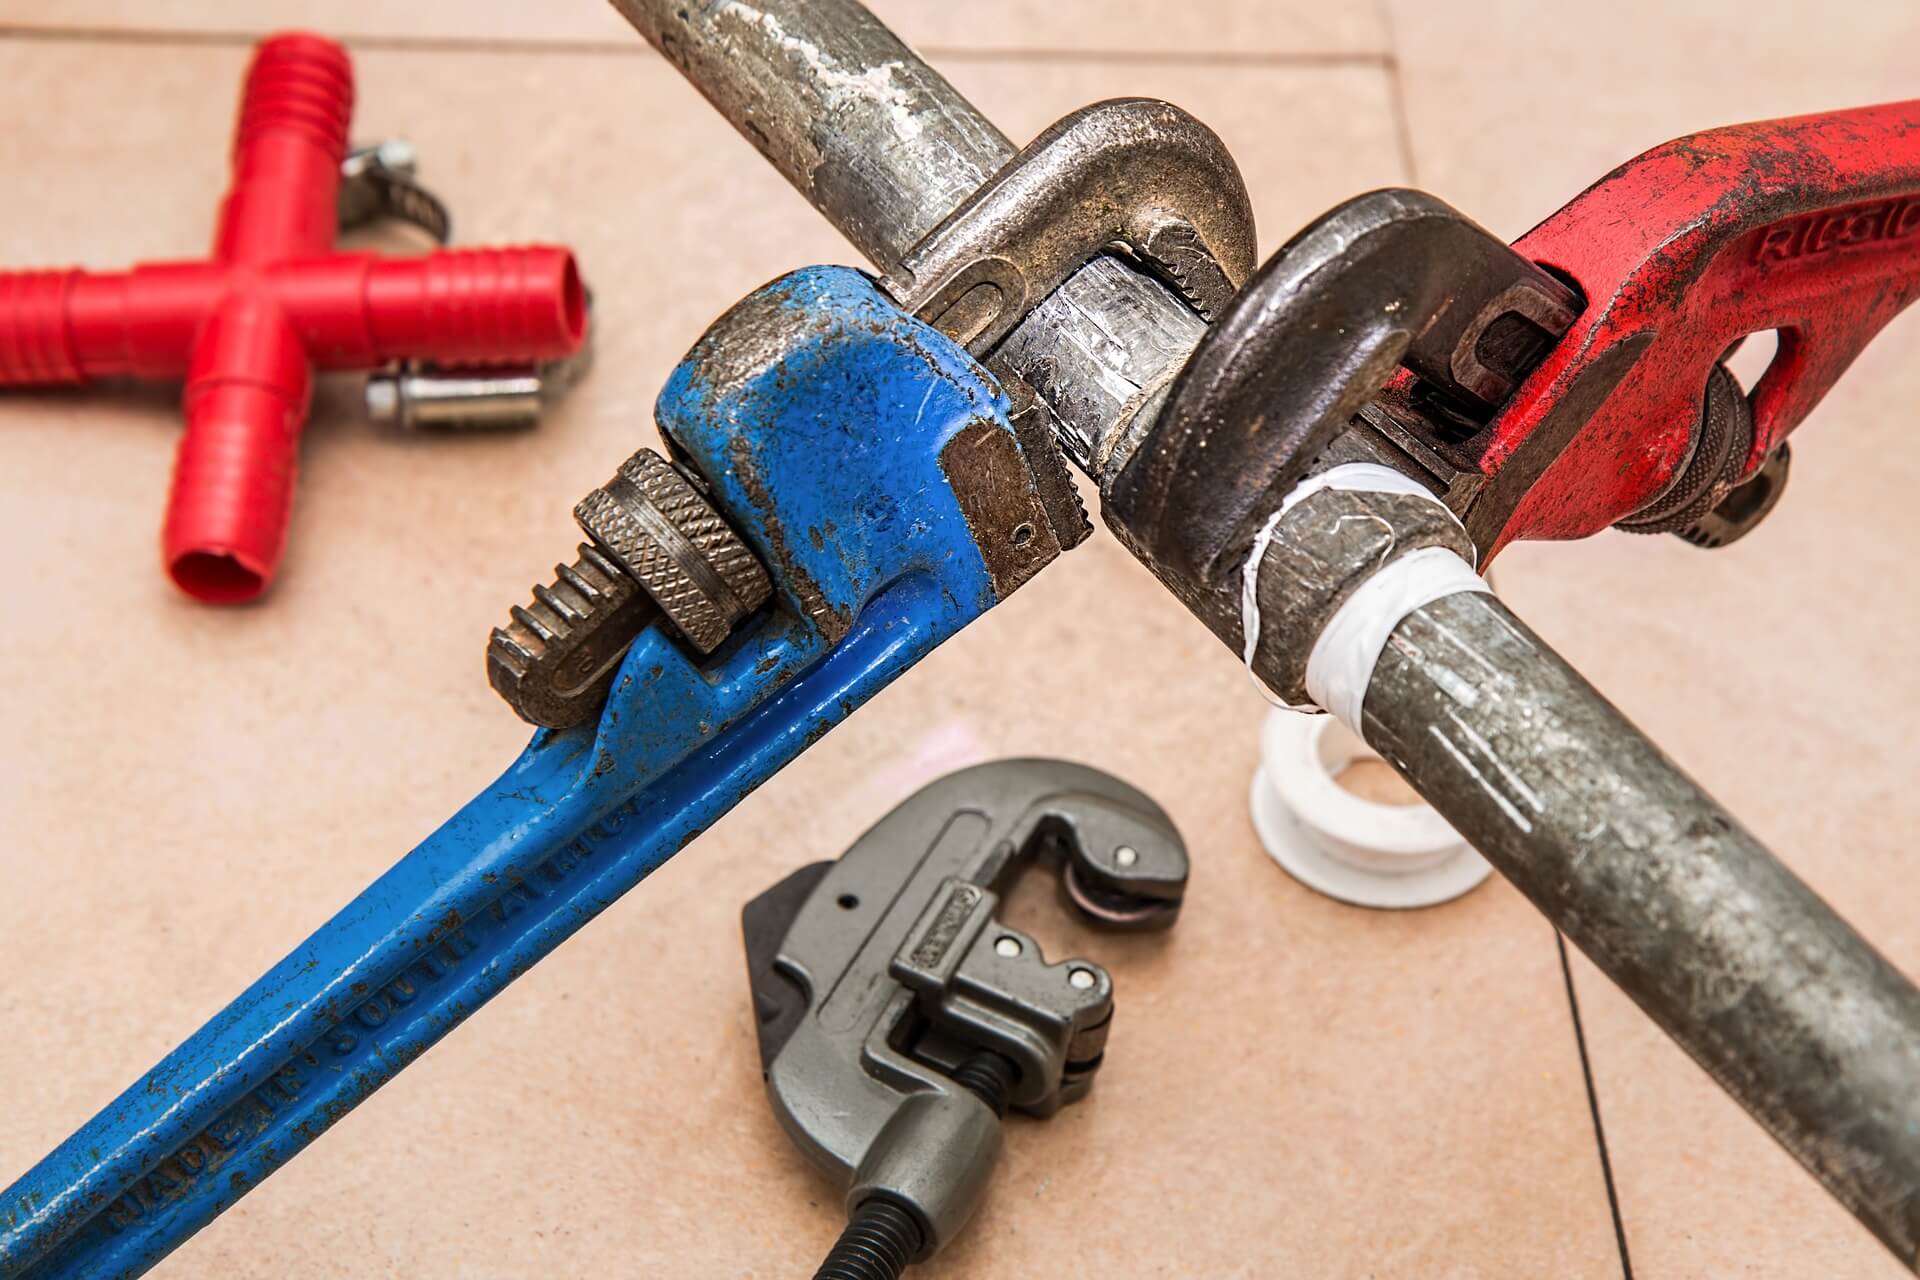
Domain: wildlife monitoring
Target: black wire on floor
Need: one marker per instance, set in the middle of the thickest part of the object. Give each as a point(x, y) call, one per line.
point(1593, 1108)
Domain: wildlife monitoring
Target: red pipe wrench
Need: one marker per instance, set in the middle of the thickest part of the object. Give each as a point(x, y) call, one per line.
point(1561, 385)
point(1809, 226)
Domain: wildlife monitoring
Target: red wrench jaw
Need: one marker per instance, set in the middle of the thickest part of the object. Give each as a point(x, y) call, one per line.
point(1560, 467)
point(1809, 226)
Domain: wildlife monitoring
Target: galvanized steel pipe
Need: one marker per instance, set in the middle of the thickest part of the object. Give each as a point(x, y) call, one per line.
point(1756, 977)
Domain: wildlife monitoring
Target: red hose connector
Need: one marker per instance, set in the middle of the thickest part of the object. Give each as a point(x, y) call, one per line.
point(287, 151)
point(36, 349)
point(246, 329)
point(477, 305)
point(232, 495)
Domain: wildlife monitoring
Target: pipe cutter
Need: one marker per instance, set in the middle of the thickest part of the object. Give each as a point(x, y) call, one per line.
point(899, 1019)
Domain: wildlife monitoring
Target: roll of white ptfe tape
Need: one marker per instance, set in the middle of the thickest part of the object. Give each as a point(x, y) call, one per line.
point(1357, 850)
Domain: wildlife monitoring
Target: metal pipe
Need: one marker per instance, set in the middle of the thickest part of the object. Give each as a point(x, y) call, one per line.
point(1789, 1009)
point(884, 148)
point(1771, 992)
point(872, 136)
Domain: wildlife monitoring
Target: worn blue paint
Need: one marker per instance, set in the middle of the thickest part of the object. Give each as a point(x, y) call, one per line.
point(823, 447)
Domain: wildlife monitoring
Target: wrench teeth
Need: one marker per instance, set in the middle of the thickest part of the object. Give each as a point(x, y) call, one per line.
point(556, 604)
point(556, 658)
point(1180, 272)
point(1176, 254)
point(528, 622)
point(659, 548)
point(503, 646)
point(582, 587)
point(1178, 277)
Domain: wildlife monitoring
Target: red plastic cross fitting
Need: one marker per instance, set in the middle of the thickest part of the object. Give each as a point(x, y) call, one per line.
point(247, 329)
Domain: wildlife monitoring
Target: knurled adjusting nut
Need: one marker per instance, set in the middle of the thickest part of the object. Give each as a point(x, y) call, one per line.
point(653, 522)
point(1323, 548)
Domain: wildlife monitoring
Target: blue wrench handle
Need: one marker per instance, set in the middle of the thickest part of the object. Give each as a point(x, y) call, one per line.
point(830, 450)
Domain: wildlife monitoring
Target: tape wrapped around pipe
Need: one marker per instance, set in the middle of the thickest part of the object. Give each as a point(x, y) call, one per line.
point(1341, 662)
point(1341, 665)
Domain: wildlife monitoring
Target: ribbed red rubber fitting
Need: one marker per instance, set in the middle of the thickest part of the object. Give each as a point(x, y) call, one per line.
point(299, 82)
point(36, 347)
point(478, 305)
point(232, 492)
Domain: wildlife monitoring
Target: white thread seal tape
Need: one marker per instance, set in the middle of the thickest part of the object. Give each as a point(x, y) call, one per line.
point(1331, 839)
point(1341, 665)
point(1344, 655)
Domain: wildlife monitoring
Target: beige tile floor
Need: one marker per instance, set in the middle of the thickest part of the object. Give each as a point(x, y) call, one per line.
point(1295, 1088)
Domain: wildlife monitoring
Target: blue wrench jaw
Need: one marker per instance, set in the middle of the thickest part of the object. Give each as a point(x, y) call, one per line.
point(871, 464)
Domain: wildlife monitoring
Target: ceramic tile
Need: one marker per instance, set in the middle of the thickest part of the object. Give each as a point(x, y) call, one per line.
point(1514, 108)
point(544, 21)
point(1239, 29)
point(1234, 28)
point(1293, 1086)
point(1772, 670)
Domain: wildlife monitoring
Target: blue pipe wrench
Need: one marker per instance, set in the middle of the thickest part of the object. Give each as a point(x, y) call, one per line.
point(873, 466)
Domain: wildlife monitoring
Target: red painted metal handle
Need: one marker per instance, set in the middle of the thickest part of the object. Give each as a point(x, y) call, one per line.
point(1810, 226)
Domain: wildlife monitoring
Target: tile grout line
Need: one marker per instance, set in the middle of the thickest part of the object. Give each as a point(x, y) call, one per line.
point(1330, 59)
point(1397, 93)
point(1593, 1108)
